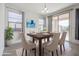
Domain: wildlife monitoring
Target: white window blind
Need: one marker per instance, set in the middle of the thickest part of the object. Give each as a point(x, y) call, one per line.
point(15, 20)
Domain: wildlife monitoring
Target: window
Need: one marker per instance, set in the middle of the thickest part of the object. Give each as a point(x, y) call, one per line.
point(64, 16)
point(60, 23)
point(55, 22)
point(64, 22)
point(41, 23)
point(15, 20)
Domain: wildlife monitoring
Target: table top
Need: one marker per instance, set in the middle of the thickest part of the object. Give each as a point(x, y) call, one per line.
point(40, 35)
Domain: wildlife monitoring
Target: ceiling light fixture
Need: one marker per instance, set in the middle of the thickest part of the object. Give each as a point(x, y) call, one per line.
point(45, 10)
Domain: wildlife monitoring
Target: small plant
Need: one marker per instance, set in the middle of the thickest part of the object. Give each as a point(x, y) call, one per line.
point(9, 33)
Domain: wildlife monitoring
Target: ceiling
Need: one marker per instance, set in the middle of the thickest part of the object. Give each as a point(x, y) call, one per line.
point(38, 7)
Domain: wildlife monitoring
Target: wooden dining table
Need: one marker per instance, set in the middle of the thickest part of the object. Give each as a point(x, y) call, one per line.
point(40, 36)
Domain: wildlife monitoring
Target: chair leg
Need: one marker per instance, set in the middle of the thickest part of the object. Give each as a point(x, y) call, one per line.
point(35, 51)
point(43, 51)
point(61, 49)
point(25, 52)
point(57, 52)
point(22, 51)
point(52, 53)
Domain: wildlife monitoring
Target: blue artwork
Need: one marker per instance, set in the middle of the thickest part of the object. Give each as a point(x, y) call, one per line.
point(30, 24)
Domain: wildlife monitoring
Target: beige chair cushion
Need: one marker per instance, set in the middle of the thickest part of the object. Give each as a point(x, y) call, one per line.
point(62, 39)
point(53, 45)
point(27, 45)
point(49, 42)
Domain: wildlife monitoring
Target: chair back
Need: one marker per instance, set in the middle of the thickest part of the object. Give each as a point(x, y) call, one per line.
point(23, 39)
point(62, 39)
point(55, 40)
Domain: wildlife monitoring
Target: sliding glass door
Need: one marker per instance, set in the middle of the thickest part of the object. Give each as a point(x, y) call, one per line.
point(60, 23)
point(64, 24)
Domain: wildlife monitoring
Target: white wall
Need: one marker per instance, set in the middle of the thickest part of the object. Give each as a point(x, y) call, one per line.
point(27, 15)
point(2, 18)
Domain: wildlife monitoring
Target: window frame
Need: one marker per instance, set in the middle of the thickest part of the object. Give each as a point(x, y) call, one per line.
point(41, 25)
point(67, 13)
point(18, 12)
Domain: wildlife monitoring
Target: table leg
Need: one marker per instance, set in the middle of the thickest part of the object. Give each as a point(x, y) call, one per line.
point(48, 39)
point(33, 40)
point(40, 42)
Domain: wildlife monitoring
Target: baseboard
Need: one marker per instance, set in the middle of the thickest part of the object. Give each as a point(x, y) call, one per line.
point(73, 42)
point(14, 42)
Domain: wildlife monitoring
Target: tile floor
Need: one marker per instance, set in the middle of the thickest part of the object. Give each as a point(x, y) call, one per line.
point(71, 49)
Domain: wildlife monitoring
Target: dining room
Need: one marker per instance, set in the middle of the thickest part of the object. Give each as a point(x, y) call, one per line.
point(48, 31)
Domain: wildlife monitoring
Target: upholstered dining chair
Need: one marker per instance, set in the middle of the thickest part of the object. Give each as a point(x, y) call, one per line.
point(47, 42)
point(53, 46)
point(27, 46)
point(61, 41)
